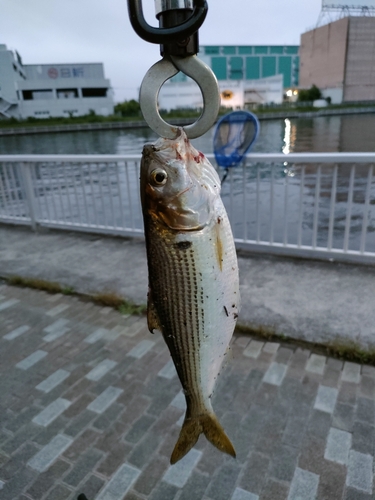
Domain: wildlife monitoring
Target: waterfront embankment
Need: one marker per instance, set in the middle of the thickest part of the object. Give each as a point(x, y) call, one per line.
point(136, 124)
point(318, 302)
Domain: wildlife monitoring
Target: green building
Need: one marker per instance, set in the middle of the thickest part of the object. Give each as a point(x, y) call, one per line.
point(252, 62)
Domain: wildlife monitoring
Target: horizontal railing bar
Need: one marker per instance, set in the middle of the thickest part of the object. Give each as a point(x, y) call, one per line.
point(289, 250)
point(251, 158)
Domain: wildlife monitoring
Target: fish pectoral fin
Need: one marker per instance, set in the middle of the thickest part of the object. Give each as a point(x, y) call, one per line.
point(153, 321)
point(207, 424)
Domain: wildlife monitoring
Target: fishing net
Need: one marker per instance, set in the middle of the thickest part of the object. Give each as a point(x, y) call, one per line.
point(234, 135)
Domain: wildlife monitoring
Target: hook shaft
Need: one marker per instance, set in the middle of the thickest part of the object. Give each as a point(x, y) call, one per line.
point(166, 35)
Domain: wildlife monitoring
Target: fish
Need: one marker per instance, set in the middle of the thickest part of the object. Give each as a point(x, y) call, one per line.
point(193, 296)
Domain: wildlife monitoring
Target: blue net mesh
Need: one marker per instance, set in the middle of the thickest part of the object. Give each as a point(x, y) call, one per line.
point(234, 135)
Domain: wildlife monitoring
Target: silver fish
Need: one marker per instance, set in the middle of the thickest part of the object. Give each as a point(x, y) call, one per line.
point(193, 277)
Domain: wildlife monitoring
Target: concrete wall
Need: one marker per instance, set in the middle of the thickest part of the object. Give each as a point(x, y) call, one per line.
point(322, 55)
point(360, 65)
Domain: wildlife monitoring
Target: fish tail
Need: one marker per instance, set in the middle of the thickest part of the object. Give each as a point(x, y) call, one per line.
point(207, 424)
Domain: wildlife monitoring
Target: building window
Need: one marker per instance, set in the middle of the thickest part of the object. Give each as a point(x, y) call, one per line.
point(41, 113)
point(229, 50)
point(212, 50)
point(36, 95)
point(219, 67)
point(67, 93)
point(94, 92)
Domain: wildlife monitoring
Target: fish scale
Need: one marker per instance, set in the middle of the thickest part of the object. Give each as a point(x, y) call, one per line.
point(193, 277)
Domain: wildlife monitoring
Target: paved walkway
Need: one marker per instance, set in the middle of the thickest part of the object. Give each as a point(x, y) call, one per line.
point(320, 302)
point(90, 403)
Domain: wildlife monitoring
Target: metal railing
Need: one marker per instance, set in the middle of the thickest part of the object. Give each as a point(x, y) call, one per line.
point(318, 205)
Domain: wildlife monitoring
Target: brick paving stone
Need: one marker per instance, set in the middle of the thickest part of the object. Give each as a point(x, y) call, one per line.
point(141, 349)
point(343, 417)
point(47, 479)
point(56, 325)
point(59, 492)
point(224, 481)
point(348, 393)
point(145, 449)
point(84, 465)
point(139, 428)
point(365, 410)
point(367, 387)
point(96, 335)
point(326, 399)
point(254, 474)
point(151, 475)
point(31, 360)
point(101, 369)
point(195, 486)
point(88, 438)
point(49, 414)
point(353, 494)
point(360, 471)
point(17, 462)
point(17, 332)
point(274, 490)
point(253, 349)
point(363, 437)
point(368, 370)
point(178, 474)
point(240, 494)
point(351, 372)
point(304, 485)
point(7, 304)
point(47, 455)
point(338, 446)
point(168, 371)
point(53, 380)
point(164, 491)
point(242, 341)
point(118, 454)
point(120, 483)
point(331, 480)
point(57, 310)
point(316, 364)
point(271, 347)
point(106, 419)
point(91, 487)
point(275, 374)
point(283, 355)
point(105, 399)
point(80, 422)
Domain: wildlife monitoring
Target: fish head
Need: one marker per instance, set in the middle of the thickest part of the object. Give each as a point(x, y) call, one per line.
point(179, 185)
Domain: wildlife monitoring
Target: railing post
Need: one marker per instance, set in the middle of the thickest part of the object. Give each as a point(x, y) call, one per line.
point(29, 191)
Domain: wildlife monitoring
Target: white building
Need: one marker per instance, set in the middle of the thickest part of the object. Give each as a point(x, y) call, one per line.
point(52, 90)
point(236, 94)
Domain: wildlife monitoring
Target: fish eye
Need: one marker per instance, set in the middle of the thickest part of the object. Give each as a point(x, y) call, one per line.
point(158, 177)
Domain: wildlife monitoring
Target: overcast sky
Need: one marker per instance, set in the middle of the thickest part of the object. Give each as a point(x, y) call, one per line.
point(82, 31)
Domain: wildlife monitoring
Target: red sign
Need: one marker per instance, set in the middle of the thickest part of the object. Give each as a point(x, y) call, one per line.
point(53, 73)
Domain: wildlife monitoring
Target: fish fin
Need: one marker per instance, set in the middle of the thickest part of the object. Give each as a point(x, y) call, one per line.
point(153, 321)
point(207, 424)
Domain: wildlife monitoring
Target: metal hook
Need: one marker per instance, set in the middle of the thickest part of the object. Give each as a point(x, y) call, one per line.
point(166, 35)
point(160, 73)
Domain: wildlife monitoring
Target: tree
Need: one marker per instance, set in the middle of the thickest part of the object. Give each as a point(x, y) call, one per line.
point(128, 108)
point(311, 94)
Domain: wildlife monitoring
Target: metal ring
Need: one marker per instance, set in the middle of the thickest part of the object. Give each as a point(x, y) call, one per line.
point(158, 74)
